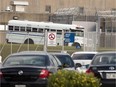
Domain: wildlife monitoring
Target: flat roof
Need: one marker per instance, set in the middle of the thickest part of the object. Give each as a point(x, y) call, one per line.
point(21, 3)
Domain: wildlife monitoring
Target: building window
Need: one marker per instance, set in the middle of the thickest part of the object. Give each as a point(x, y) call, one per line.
point(48, 8)
point(11, 28)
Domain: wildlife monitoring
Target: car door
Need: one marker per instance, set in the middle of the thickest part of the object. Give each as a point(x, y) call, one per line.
point(53, 64)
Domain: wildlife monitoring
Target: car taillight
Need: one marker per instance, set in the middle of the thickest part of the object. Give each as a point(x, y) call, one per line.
point(88, 71)
point(1, 74)
point(44, 73)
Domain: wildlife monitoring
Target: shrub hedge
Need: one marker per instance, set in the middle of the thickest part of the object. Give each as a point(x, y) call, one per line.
point(66, 78)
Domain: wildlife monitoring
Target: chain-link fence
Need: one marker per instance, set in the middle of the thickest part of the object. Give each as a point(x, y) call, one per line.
point(107, 40)
point(90, 41)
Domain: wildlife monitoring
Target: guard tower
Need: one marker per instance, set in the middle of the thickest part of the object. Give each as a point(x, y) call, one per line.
point(19, 6)
point(107, 24)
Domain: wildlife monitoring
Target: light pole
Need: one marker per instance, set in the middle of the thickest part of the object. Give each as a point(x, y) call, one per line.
point(45, 40)
point(63, 40)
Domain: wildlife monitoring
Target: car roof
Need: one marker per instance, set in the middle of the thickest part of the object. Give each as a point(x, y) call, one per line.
point(107, 52)
point(30, 53)
point(55, 53)
point(85, 52)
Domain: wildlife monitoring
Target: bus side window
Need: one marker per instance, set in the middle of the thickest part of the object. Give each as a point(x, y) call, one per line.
point(73, 31)
point(48, 29)
point(16, 28)
point(40, 30)
point(28, 29)
point(34, 29)
point(22, 28)
point(59, 32)
point(81, 34)
point(53, 30)
point(10, 28)
point(66, 30)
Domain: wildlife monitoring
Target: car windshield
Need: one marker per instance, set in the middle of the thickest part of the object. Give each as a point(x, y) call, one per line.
point(104, 59)
point(65, 59)
point(82, 56)
point(34, 60)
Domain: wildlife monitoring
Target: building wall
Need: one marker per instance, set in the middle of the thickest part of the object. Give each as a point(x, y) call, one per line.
point(38, 6)
point(6, 16)
point(36, 10)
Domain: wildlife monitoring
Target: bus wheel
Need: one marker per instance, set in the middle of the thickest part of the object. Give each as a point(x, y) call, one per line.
point(30, 41)
point(76, 44)
point(7, 41)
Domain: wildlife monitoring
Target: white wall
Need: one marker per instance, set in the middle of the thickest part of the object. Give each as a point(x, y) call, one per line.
point(3, 27)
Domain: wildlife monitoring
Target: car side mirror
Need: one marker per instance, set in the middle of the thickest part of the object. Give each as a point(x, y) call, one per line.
point(63, 66)
point(60, 67)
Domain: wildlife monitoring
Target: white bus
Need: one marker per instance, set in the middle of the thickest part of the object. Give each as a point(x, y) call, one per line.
point(23, 31)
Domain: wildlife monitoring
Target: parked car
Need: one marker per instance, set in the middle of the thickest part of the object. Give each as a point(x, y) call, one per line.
point(66, 60)
point(0, 61)
point(27, 69)
point(103, 66)
point(82, 59)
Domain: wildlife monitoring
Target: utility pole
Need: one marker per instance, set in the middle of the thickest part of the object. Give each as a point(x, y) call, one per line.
point(28, 42)
point(63, 40)
point(45, 40)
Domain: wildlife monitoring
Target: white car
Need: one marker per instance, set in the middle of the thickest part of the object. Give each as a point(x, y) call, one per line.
point(83, 58)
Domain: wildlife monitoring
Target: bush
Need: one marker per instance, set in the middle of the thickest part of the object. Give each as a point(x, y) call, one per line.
point(65, 78)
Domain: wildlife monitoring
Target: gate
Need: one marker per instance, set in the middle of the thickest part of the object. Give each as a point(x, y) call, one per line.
point(90, 41)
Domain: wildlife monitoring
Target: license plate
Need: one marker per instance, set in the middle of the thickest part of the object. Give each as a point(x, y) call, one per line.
point(20, 85)
point(111, 75)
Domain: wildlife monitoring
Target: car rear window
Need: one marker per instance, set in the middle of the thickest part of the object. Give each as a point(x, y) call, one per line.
point(34, 60)
point(65, 59)
point(104, 59)
point(83, 56)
